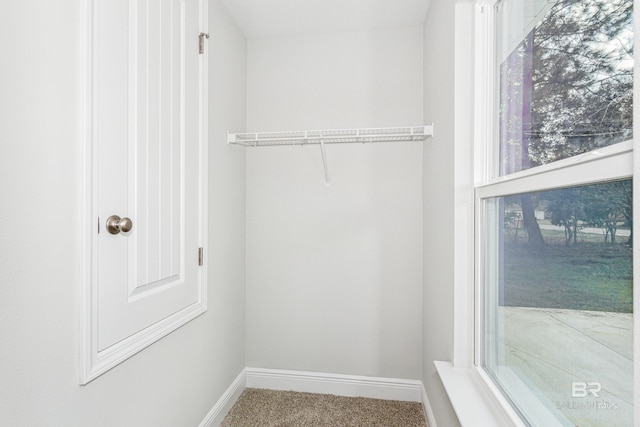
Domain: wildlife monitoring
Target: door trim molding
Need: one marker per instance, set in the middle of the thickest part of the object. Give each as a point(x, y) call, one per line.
point(94, 362)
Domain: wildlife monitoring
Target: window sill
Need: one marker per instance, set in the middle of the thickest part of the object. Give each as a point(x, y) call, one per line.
point(473, 401)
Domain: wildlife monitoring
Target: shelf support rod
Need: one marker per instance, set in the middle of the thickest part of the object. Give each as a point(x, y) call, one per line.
point(327, 184)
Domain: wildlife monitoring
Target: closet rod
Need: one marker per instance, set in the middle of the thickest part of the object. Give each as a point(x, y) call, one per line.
point(331, 136)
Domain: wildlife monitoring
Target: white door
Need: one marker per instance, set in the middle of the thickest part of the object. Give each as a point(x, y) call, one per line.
point(149, 123)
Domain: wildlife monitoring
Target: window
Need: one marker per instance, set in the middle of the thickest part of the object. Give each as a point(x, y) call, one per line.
point(554, 206)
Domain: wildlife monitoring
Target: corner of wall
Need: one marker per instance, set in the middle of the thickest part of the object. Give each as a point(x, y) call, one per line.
point(438, 203)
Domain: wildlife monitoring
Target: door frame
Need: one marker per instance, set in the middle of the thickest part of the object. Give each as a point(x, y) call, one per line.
point(93, 362)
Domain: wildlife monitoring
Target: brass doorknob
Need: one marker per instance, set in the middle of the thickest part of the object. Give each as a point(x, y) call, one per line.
point(115, 224)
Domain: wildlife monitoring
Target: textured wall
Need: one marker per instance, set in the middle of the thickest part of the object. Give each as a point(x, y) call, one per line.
point(176, 381)
point(334, 276)
point(439, 202)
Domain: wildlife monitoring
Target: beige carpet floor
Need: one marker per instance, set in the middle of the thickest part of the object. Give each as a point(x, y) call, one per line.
point(270, 408)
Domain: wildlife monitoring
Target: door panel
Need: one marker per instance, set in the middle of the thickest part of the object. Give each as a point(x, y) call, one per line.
point(157, 143)
point(149, 128)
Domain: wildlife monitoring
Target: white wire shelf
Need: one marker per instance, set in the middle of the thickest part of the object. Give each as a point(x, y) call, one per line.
point(331, 136)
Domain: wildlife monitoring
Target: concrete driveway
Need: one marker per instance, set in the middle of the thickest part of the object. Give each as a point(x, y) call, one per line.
point(578, 363)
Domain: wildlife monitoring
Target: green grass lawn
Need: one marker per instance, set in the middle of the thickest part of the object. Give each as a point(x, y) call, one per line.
point(591, 275)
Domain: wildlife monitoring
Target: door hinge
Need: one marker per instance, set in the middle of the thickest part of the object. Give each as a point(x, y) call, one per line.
point(201, 38)
point(200, 257)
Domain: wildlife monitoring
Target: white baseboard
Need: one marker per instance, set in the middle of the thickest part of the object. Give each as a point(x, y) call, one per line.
point(336, 384)
point(225, 403)
point(428, 412)
point(314, 382)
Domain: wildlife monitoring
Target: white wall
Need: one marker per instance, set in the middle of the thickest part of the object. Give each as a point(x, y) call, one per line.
point(176, 381)
point(439, 203)
point(334, 276)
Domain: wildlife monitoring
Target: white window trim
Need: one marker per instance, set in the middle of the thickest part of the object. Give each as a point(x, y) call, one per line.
point(474, 396)
point(614, 163)
point(636, 223)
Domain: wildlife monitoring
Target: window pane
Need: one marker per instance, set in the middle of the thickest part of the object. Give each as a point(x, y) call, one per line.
point(566, 78)
point(558, 303)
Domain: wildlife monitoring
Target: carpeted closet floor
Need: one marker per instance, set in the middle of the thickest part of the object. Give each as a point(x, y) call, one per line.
point(270, 408)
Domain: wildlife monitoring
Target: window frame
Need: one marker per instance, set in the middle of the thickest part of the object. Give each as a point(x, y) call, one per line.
point(614, 162)
point(476, 400)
